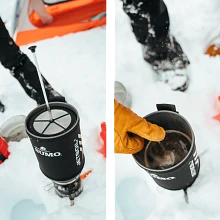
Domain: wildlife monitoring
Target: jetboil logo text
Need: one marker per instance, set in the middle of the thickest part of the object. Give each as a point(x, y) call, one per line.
point(193, 163)
point(78, 149)
point(162, 178)
point(43, 151)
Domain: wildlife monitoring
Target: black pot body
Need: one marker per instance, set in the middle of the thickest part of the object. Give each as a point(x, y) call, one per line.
point(60, 156)
point(182, 175)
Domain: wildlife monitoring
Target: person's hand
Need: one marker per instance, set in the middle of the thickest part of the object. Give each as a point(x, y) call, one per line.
point(131, 129)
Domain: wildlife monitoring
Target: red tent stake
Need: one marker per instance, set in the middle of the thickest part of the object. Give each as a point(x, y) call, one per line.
point(103, 137)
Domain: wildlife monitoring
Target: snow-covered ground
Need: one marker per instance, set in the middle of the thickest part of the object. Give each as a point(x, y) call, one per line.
point(138, 197)
point(75, 65)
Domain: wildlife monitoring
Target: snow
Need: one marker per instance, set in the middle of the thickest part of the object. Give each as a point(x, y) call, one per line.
point(75, 66)
point(138, 197)
point(78, 72)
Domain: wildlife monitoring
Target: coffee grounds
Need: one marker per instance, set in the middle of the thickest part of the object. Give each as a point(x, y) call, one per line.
point(167, 153)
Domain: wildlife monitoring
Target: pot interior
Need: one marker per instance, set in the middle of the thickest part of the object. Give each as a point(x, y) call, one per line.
point(167, 153)
point(170, 121)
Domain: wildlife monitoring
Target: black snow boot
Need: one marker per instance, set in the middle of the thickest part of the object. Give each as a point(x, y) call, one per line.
point(150, 24)
point(168, 61)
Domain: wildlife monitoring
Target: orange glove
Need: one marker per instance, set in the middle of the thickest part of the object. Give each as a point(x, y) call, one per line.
point(131, 129)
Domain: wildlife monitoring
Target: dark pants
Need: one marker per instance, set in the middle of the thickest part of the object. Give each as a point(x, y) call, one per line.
point(10, 53)
point(150, 24)
point(149, 19)
point(22, 68)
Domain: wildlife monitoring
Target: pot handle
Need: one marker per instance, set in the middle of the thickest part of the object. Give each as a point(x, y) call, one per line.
point(167, 107)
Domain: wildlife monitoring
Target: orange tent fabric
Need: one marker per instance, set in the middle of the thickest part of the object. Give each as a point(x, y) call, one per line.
point(69, 17)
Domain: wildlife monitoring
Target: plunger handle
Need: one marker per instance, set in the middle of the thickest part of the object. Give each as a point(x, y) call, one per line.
point(33, 50)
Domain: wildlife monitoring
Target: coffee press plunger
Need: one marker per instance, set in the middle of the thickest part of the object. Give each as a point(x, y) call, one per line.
point(54, 131)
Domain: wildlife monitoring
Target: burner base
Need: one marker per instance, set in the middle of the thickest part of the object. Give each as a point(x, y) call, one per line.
point(71, 190)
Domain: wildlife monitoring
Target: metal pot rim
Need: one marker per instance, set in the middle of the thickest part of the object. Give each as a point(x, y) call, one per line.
point(52, 104)
point(185, 158)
